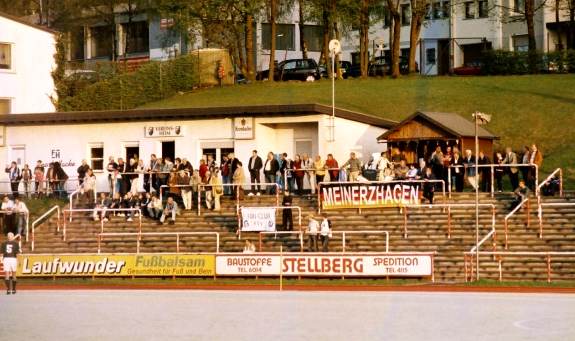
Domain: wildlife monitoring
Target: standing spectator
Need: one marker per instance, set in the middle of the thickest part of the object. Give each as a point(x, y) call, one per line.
point(333, 168)
point(14, 176)
point(312, 231)
point(138, 182)
point(238, 180)
point(286, 170)
point(50, 179)
point(39, 177)
point(254, 167)
point(436, 163)
point(217, 190)
point(499, 171)
point(183, 179)
point(21, 215)
point(319, 167)
point(89, 185)
point(484, 172)
point(186, 166)
point(195, 181)
point(447, 157)
point(173, 188)
point(287, 217)
point(153, 169)
point(525, 160)
point(82, 172)
point(325, 233)
point(26, 179)
point(309, 178)
point(111, 167)
point(271, 168)
point(383, 164)
point(298, 174)
point(164, 169)
point(511, 159)
point(233, 163)
point(203, 169)
point(170, 210)
point(61, 178)
point(211, 163)
point(7, 214)
point(354, 167)
point(535, 158)
point(124, 168)
point(208, 189)
point(469, 163)
point(428, 186)
point(457, 171)
point(225, 169)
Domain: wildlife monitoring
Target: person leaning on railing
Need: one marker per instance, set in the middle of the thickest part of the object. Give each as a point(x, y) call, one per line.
point(26, 179)
point(271, 168)
point(14, 176)
point(354, 167)
point(39, 178)
point(319, 166)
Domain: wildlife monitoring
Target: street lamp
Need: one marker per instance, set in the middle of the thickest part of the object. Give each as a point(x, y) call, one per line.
point(334, 49)
point(479, 118)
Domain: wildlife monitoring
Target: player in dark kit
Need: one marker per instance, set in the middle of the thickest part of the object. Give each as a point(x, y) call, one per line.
point(9, 250)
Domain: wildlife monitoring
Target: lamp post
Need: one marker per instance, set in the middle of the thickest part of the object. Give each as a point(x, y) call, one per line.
point(334, 49)
point(479, 118)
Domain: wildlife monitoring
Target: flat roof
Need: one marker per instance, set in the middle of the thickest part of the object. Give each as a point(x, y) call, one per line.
point(112, 116)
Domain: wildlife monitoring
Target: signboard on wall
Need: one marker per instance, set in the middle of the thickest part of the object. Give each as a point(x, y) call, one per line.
point(369, 265)
point(243, 128)
point(258, 219)
point(163, 131)
point(354, 195)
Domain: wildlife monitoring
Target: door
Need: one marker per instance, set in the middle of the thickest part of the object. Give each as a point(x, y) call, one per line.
point(304, 147)
point(169, 149)
point(443, 56)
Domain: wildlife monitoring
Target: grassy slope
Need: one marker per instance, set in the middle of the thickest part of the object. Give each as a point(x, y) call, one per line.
point(526, 109)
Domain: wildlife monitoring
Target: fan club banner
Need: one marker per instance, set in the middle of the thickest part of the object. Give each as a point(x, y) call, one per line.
point(373, 265)
point(258, 219)
point(353, 195)
point(116, 265)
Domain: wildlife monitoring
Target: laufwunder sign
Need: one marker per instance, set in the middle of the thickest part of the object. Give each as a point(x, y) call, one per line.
point(353, 265)
point(354, 195)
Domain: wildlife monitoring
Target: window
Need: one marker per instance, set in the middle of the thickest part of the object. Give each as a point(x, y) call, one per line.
point(430, 56)
point(5, 106)
point(437, 10)
point(521, 43)
point(5, 56)
point(77, 44)
point(470, 10)
point(137, 37)
point(405, 15)
point(102, 41)
point(427, 11)
point(313, 36)
point(290, 65)
point(284, 37)
point(446, 9)
point(483, 9)
point(519, 6)
point(97, 156)
point(386, 17)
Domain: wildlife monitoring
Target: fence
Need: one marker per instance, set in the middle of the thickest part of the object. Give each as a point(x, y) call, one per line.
point(28, 187)
point(343, 237)
point(40, 219)
point(143, 234)
point(102, 211)
point(500, 254)
point(510, 214)
point(492, 167)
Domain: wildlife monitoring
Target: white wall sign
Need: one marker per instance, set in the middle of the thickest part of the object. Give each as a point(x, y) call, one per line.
point(164, 131)
point(258, 219)
point(370, 265)
point(243, 128)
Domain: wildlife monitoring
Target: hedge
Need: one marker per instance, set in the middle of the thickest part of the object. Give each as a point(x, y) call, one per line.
point(498, 62)
point(151, 82)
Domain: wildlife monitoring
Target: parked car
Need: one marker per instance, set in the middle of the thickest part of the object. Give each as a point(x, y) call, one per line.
point(468, 69)
point(293, 69)
point(381, 66)
point(344, 65)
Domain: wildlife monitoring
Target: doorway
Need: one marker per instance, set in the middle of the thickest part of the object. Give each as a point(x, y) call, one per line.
point(443, 52)
point(217, 153)
point(169, 149)
point(132, 152)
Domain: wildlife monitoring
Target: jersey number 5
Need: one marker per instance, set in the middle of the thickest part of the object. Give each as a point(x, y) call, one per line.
point(9, 248)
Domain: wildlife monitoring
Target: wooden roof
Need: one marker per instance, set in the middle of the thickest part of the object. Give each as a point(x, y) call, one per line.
point(435, 125)
point(93, 117)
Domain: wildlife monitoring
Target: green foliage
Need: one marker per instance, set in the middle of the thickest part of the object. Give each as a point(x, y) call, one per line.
point(151, 82)
point(499, 62)
point(58, 75)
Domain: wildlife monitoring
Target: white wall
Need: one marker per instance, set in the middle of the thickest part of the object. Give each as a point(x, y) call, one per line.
point(29, 84)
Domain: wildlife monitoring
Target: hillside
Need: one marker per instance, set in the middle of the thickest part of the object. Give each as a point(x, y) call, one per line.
point(526, 109)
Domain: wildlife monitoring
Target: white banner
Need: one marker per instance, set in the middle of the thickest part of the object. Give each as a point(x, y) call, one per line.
point(372, 265)
point(258, 219)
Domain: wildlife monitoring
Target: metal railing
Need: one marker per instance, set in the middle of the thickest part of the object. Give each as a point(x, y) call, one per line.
point(76, 193)
point(549, 204)
point(45, 186)
point(549, 178)
point(302, 232)
point(40, 219)
point(102, 211)
point(201, 188)
point(540, 205)
point(150, 174)
point(492, 166)
point(239, 232)
point(510, 214)
point(500, 254)
point(367, 183)
point(140, 234)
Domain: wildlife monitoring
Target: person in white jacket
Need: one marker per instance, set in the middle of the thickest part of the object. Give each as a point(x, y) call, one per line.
point(325, 233)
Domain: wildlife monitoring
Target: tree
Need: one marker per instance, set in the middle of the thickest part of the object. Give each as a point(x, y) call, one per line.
point(364, 37)
point(418, 10)
point(273, 33)
point(301, 24)
point(393, 7)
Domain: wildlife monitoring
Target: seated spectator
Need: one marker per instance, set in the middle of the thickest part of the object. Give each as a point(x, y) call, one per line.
point(145, 199)
point(521, 193)
point(170, 210)
point(21, 214)
point(89, 185)
point(155, 207)
point(101, 209)
point(401, 171)
point(413, 173)
point(249, 247)
point(116, 203)
point(129, 202)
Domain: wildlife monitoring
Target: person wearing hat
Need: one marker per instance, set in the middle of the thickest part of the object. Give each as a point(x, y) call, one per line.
point(8, 252)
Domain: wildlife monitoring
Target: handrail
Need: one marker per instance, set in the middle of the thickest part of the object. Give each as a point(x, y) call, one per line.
point(510, 214)
point(378, 183)
point(76, 192)
point(549, 204)
point(237, 194)
point(493, 166)
point(551, 176)
point(140, 234)
point(343, 233)
point(298, 208)
point(102, 220)
point(546, 254)
point(41, 218)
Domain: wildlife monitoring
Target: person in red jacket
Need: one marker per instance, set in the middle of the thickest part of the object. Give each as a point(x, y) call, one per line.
point(298, 173)
point(333, 167)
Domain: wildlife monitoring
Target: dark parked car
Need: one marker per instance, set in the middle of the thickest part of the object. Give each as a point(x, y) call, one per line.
point(469, 69)
point(293, 69)
point(344, 65)
point(381, 66)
